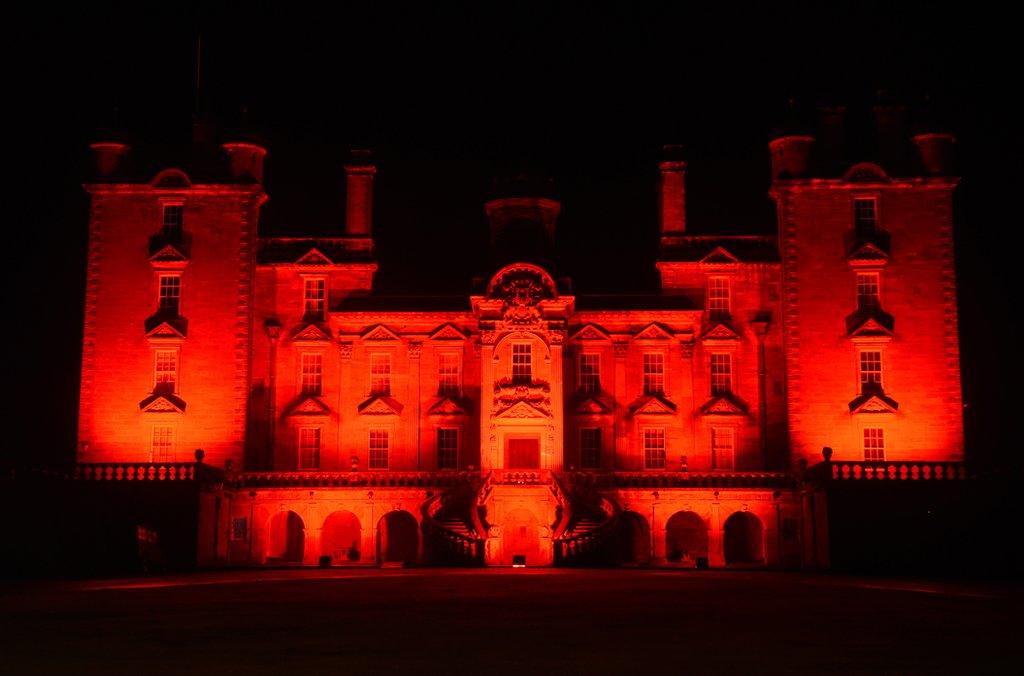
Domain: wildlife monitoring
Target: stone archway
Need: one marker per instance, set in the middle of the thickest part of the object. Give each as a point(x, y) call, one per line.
point(743, 539)
point(633, 546)
point(341, 537)
point(398, 539)
point(286, 538)
point(686, 538)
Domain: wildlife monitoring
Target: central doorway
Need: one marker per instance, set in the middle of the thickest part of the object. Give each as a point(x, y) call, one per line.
point(523, 453)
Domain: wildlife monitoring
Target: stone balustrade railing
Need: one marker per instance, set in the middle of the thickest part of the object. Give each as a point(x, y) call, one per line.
point(382, 479)
point(656, 479)
point(521, 476)
point(897, 471)
point(136, 471)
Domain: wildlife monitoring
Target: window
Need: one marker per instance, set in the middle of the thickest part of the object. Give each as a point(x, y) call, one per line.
point(379, 444)
point(723, 448)
point(654, 373)
point(314, 293)
point(163, 444)
point(173, 220)
point(380, 374)
point(590, 448)
point(721, 374)
point(447, 448)
point(309, 448)
point(590, 373)
point(654, 448)
point(312, 374)
point(870, 371)
point(522, 363)
point(447, 374)
point(718, 297)
point(165, 370)
point(867, 290)
point(865, 214)
point(170, 294)
point(874, 444)
point(239, 528)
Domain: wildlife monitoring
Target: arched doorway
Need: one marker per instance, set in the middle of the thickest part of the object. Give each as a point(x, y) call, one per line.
point(341, 537)
point(520, 537)
point(744, 539)
point(686, 538)
point(398, 539)
point(634, 540)
point(285, 538)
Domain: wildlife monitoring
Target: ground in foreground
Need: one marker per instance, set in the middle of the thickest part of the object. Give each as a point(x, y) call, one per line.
point(549, 621)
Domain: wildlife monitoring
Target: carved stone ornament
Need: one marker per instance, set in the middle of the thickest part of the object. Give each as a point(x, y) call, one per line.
point(345, 350)
point(414, 350)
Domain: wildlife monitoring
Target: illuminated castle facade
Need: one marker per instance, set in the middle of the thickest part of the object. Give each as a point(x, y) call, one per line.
point(522, 421)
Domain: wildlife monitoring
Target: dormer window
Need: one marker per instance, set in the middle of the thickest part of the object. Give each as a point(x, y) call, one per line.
point(718, 298)
point(865, 215)
point(169, 302)
point(314, 299)
point(868, 287)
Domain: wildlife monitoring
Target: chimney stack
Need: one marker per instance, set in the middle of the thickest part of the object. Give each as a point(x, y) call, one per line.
point(359, 173)
point(673, 191)
point(936, 153)
point(109, 157)
point(245, 161)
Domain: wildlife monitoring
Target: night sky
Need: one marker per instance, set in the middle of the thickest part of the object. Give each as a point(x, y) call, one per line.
point(450, 98)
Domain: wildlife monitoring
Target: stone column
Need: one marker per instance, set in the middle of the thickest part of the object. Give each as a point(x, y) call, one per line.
point(716, 549)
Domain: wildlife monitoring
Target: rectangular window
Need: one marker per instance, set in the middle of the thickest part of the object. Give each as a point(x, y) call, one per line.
point(590, 448)
point(867, 290)
point(721, 374)
point(654, 373)
point(170, 294)
point(163, 444)
point(718, 297)
point(239, 528)
point(314, 297)
point(174, 219)
point(379, 446)
point(447, 448)
point(380, 374)
point(522, 363)
point(447, 374)
point(165, 371)
point(874, 444)
point(870, 371)
point(590, 373)
point(865, 214)
point(312, 374)
point(309, 448)
point(654, 448)
point(723, 448)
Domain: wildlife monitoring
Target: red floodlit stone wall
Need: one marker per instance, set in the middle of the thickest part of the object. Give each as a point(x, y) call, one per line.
point(920, 359)
point(122, 293)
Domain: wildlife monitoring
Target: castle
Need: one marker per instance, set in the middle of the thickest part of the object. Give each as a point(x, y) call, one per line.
point(523, 423)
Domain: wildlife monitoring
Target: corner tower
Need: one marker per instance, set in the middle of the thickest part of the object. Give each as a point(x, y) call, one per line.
point(869, 302)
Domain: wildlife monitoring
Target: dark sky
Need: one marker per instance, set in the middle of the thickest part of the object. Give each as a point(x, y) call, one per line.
point(451, 97)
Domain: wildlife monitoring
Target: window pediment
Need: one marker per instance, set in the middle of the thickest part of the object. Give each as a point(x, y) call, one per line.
point(308, 406)
point(314, 257)
point(591, 332)
point(162, 403)
point(724, 405)
point(654, 331)
point(380, 405)
point(162, 326)
point(447, 406)
point(653, 404)
point(871, 324)
point(380, 333)
point(311, 332)
point(720, 331)
point(447, 332)
point(874, 403)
